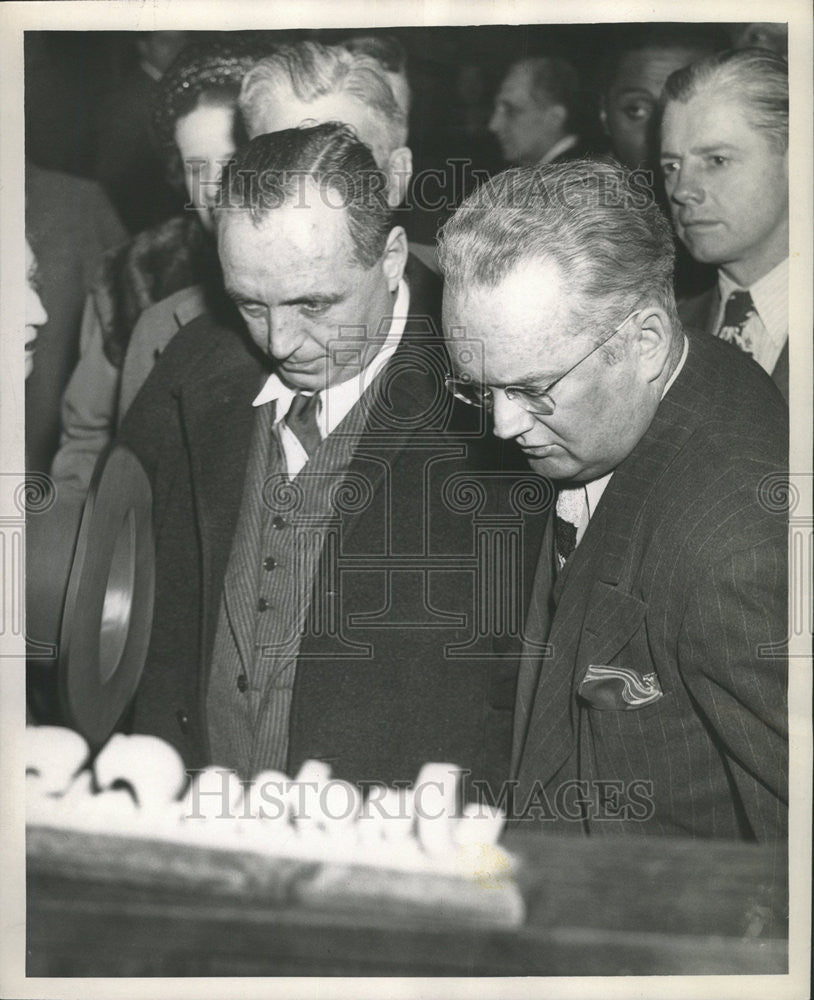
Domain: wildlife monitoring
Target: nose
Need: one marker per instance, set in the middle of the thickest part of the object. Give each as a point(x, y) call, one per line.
point(495, 122)
point(282, 335)
point(685, 186)
point(510, 418)
point(35, 314)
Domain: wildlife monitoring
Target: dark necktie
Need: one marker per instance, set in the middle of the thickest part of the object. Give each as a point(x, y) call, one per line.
point(738, 311)
point(302, 419)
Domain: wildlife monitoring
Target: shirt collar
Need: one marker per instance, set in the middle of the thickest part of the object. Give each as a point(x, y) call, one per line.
point(337, 400)
point(770, 295)
point(561, 146)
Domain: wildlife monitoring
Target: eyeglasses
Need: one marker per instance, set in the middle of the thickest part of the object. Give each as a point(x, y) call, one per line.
point(536, 401)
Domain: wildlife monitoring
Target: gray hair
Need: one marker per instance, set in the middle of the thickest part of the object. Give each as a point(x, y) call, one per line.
point(596, 220)
point(756, 78)
point(312, 70)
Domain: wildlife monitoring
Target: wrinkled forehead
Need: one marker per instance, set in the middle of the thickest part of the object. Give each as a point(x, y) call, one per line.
point(310, 223)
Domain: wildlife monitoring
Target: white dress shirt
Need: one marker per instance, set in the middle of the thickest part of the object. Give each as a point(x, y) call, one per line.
point(561, 146)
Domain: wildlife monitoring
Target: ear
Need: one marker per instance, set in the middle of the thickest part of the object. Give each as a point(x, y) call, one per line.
point(399, 170)
point(655, 342)
point(395, 257)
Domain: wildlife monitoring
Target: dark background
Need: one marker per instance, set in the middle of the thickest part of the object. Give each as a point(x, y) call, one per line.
point(68, 76)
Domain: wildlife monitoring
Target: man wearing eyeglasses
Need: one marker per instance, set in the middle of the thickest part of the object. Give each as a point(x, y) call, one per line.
point(660, 588)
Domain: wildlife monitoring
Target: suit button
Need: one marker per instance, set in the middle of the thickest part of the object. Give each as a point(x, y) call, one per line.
point(269, 563)
point(183, 719)
point(278, 522)
point(156, 354)
point(242, 683)
point(263, 604)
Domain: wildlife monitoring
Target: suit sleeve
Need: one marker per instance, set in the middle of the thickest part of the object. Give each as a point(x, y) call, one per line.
point(150, 427)
point(88, 410)
point(733, 657)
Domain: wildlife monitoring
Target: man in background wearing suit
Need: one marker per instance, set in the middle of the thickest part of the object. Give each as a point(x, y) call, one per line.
point(661, 584)
point(535, 112)
point(724, 155)
point(306, 583)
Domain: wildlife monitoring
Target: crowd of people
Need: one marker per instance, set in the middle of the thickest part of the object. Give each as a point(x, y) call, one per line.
point(611, 278)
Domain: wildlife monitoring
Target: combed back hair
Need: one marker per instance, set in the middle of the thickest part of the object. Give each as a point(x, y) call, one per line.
point(756, 78)
point(272, 169)
point(705, 39)
point(594, 219)
point(311, 71)
point(553, 81)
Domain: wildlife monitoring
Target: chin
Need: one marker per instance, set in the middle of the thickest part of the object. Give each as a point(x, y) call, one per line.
point(554, 467)
point(307, 381)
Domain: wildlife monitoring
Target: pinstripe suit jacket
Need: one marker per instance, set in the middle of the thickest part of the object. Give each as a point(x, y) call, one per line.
point(682, 575)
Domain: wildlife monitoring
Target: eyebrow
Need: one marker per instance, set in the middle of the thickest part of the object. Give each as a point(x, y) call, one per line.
point(322, 298)
point(328, 299)
point(702, 150)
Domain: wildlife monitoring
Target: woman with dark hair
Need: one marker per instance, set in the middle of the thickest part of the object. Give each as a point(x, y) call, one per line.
point(165, 276)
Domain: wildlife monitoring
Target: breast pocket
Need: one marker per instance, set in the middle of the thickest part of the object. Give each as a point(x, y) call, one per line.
point(616, 688)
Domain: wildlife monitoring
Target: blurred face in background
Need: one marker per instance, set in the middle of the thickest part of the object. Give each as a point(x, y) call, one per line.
point(728, 185)
point(631, 101)
point(205, 140)
point(35, 314)
point(525, 129)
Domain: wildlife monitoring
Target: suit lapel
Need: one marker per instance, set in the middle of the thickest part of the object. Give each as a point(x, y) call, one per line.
point(596, 614)
point(218, 416)
point(713, 309)
point(538, 575)
point(780, 373)
point(400, 392)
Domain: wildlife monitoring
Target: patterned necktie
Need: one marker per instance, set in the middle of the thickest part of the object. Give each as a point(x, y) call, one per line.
point(302, 419)
point(738, 311)
point(571, 504)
